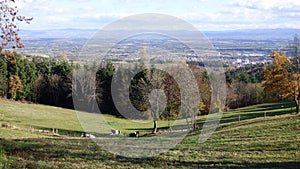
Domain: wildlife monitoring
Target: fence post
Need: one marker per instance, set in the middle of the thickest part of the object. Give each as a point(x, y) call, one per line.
point(265, 115)
point(239, 117)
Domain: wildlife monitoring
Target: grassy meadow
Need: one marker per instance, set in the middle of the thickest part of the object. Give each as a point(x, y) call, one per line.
point(27, 141)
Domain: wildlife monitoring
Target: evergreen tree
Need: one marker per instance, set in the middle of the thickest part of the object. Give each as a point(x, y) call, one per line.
point(3, 78)
point(104, 77)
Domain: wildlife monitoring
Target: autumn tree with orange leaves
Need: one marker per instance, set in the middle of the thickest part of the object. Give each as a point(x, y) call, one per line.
point(280, 79)
point(10, 39)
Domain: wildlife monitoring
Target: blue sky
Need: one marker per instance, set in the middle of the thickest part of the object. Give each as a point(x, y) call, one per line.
point(203, 14)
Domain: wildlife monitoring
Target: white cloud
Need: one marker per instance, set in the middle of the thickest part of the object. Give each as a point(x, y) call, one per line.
point(235, 14)
point(249, 14)
point(24, 4)
point(268, 4)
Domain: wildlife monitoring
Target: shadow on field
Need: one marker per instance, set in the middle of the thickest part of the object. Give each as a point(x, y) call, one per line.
point(82, 152)
point(149, 129)
point(71, 133)
point(272, 109)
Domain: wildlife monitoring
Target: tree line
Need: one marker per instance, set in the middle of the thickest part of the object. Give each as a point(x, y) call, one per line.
point(49, 81)
point(40, 80)
point(244, 86)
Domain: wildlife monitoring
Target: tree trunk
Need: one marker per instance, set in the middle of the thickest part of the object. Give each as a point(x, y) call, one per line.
point(297, 106)
point(170, 126)
point(187, 122)
point(154, 127)
point(195, 126)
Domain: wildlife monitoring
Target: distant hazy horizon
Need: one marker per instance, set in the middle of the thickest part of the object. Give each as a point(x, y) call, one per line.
point(97, 29)
point(255, 34)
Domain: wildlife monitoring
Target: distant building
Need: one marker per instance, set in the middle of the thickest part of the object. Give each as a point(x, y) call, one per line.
point(37, 55)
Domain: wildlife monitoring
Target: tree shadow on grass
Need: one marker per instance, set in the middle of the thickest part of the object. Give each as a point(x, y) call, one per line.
point(71, 133)
point(270, 110)
point(269, 107)
point(85, 151)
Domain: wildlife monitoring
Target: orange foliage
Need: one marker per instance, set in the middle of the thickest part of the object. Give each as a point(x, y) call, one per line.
point(278, 78)
point(9, 28)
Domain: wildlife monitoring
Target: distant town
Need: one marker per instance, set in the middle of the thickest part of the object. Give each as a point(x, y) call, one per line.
point(249, 48)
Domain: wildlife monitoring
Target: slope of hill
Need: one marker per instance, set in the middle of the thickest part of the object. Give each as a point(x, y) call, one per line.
point(252, 142)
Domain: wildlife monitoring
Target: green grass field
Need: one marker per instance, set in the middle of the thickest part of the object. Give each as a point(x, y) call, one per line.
point(253, 142)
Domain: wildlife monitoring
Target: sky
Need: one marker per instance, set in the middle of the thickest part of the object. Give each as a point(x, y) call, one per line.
point(206, 15)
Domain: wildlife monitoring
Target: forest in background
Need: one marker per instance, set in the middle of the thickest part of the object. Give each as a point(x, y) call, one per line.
point(49, 81)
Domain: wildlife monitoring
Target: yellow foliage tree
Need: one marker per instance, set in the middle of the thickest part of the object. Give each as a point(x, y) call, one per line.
point(278, 78)
point(15, 86)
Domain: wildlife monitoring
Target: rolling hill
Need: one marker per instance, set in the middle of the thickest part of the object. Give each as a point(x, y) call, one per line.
point(253, 142)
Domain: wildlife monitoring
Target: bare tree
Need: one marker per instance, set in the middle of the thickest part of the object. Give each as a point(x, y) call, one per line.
point(152, 90)
point(85, 90)
point(295, 53)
